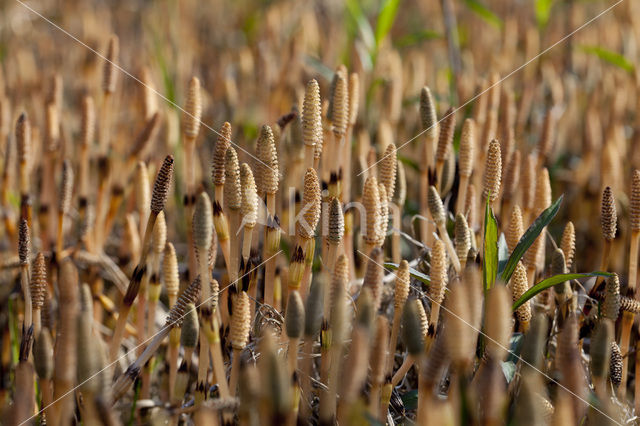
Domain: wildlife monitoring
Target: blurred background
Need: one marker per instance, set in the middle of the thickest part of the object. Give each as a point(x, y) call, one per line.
point(254, 58)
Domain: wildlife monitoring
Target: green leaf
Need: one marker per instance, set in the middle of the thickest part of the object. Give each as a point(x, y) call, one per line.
point(550, 282)
point(410, 399)
point(614, 58)
point(543, 12)
point(485, 13)
point(490, 256)
point(385, 19)
point(362, 24)
point(529, 237)
point(414, 273)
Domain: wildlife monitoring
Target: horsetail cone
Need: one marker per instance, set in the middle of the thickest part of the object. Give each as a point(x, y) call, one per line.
point(109, 68)
point(341, 71)
point(412, 335)
point(428, 113)
point(400, 193)
point(267, 168)
point(249, 209)
point(542, 201)
point(219, 153)
point(436, 207)
point(313, 309)
point(447, 127)
point(558, 266)
point(467, 147)
point(511, 176)
point(615, 364)
point(371, 201)
point(546, 140)
point(439, 268)
point(383, 224)
point(462, 236)
point(66, 188)
point(542, 198)
point(232, 190)
point(87, 121)
point(492, 172)
point(610, 307)
point(340, 102)
point(608, 215)
point(159, 236)
point(628, 304)
point(162, 185)
point(23, 138)
point(190, 327)
point(339, 282)
point(403, 281)
point(336, 222)
point(294, 316)
point(202, 222)
point(424, 320)
point(634, 208)
point(190, 295)
point(519, 286)
point(374, 275)
point(24, 243)
point(388, 169)
point(568, 244)
point(312, 115)
point(354, 97)
point(38, 283)
point(240, 321)
point(311, 205)
point(170, 270)
point(193, 109)
point(516, 228)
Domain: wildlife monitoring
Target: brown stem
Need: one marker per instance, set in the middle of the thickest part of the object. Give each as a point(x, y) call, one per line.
point(235, 367)
point(424, 203)
point(26, 293)
point(307, 368)
point(292, 355)
point(628, 317)
point(453, 256)
point(396, 254)
point(308, 156)
point(462, 193)
point(402, 371)
point(393, 341)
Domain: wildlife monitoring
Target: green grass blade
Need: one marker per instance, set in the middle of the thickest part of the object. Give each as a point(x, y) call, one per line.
point(550, 282)
point(490, 256)
point(529, 237)
point(414, 273)
point(385, 19)
point(543, 12)
point(614, 58)
point(485, 13)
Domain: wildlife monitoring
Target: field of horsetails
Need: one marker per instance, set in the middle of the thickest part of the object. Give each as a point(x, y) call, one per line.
point(338, 212)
